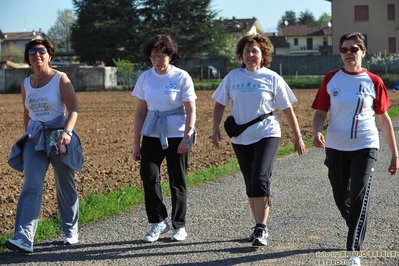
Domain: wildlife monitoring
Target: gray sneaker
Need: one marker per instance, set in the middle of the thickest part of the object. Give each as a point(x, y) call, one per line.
point(252, 236)
point(156, 230)
point(19, 244)
point(260, 236)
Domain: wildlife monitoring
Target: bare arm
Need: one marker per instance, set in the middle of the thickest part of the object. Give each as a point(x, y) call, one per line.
point(385, 123)
point(217, 115)
point(69, 98)
point(26, 112)
point(319, 118)
point(190, 122)
point(293, 123)
point(139, 116)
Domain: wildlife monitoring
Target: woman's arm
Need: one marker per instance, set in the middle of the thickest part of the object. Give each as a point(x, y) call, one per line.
point(69, 98)
point(385, 123)
point(319, 118)
point(26, 112)
point(139, 116)
point(293, 123)
point(217, 115)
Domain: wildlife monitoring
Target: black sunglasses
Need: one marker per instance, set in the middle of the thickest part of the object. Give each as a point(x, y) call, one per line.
point(353, 49)
point(33, 51)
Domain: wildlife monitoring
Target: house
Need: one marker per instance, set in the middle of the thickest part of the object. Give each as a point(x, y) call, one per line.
point(242, 27)
point(378, 21)
point(19, 39)
point(302, 40)
point(16, 39)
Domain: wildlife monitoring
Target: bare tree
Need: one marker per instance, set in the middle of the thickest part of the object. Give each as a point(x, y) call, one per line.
point(60, 33)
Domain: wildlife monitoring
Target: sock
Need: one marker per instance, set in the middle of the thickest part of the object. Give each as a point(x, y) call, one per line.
point(260, 226)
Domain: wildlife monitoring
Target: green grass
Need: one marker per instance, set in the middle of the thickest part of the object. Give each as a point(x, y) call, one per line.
point(95, 207)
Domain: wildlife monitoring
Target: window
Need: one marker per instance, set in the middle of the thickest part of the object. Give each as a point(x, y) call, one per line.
point(391, 12)
point(392, 45)
point(295, 41)
point(361, 13)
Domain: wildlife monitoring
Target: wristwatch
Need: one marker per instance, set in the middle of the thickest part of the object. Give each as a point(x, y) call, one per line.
point(69, 132)
point(186, 140)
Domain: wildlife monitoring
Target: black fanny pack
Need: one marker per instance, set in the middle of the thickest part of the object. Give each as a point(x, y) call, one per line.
point(234, 130)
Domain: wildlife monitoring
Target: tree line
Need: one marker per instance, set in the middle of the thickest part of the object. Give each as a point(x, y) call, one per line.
point(101, 32)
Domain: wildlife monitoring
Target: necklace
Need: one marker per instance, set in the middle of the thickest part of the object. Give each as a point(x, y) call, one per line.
point(37, 80)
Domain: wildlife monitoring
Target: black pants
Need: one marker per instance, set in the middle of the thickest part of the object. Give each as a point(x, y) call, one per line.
point(152, 156)
point(256, 164)
point(350, 174)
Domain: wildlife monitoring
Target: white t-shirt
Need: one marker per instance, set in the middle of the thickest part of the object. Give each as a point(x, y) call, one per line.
point(352, 99)
point(166, 92)
point(44, 103)
point(253, 94)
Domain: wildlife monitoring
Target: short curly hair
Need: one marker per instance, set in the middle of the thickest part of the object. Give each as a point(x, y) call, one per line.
point(163, 43)
point(264, 47)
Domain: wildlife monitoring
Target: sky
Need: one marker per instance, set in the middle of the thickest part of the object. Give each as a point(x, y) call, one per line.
point(29, 15)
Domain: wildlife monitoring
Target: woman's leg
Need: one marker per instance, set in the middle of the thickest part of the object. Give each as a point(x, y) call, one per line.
point(30, 198)
point(362, 170)
point(177, 169)
point(152, 156)
point(67, 195)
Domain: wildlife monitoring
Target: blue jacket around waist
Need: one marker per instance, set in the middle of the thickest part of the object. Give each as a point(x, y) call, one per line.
point(74, 159)
point(153, 117)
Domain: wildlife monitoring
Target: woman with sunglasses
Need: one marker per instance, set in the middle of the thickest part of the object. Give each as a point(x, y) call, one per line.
point(354, 97)
point(164, 121)
point(50, 114)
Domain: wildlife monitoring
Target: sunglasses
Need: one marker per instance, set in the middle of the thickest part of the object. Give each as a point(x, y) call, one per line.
point(353, 49)
point(33, 51)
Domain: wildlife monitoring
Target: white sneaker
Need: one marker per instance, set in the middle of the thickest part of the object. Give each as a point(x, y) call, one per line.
point(19, 244)
point(70, 239)
point(156, 230)
point(353, 260)
point(260, 235)
point(179, 234)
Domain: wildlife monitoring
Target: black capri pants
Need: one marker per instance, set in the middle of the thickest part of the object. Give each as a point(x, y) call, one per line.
point(256, 163)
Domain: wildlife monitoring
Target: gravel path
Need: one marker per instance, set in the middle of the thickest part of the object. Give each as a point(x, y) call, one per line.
point(305, 227)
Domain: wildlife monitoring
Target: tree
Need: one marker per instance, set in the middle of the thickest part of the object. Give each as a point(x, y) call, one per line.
point(191, 23)
point(60, 33)
point(324, 20)
point(13, 53)
point(383, 60)
point(105, 30)
point(289, 18)
point(227, 51)
point(307, 18)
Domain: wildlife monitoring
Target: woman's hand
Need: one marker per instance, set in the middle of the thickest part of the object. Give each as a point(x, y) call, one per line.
point(136, 153)
point(318, 140)
point(216, 137)
point(394, 165)
point(65, 139)
point(184, 147)
point(299, 146)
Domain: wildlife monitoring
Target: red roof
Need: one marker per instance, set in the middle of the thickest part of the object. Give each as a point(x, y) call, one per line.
point(22, 36)
point(303, 30)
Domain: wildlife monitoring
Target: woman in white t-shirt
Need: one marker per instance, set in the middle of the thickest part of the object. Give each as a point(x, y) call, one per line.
point(255, 90)
point(165, 117)
point(353, 96)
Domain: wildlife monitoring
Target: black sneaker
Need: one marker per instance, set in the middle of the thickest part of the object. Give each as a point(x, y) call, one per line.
point(252, 235)
point(260, 236)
